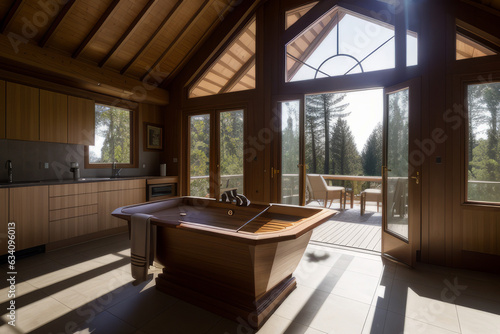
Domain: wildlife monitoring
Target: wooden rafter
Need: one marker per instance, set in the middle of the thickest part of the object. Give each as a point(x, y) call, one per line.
point(96, 28)
point(195, 47)
point(244, 47)
point(13, 10)
point(132, 27)
point(314, 44)
point(233, 55)
point(151, 39)
point(55, 24)
point(238, 75)
point(183, 32)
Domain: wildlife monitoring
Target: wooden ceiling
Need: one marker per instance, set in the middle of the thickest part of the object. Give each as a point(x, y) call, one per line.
point(140, 41)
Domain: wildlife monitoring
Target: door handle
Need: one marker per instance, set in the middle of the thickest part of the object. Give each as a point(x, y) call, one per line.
point(274, 172)
point(416, 178)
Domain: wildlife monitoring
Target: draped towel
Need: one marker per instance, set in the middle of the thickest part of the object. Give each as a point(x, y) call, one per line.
point(141, 246)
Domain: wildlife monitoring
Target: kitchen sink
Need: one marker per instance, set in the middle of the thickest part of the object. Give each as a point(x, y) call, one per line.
point(94, 178)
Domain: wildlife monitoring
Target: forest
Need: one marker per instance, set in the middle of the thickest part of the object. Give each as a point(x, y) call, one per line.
point(484, 142)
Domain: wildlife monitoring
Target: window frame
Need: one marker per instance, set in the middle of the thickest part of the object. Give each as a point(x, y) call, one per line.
point(134, 137)
point(465, 83)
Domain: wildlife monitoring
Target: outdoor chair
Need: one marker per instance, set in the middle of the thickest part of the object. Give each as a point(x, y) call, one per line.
point(320, 191)
point(370, 195)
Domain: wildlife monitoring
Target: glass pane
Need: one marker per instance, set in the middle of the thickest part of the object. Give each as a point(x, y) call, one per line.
point(112, 135)
point(290, 145)
point(341, 42)
point(397, 163)
point(468, 48)
point(484, 142)
point(231, 151)
point(199, 156)
point(411, 48)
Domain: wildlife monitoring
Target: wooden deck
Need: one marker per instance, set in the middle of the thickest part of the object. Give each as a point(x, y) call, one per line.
point(349, 229)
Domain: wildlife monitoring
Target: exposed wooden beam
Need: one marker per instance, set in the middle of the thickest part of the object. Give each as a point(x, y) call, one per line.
point(244, 47)
point(238, 75)
point(13, 10)
point(96, 28)
point(183, 32)
point(221, 37)
point(55, 24)
point(82, 75)
point(196, 47)
point(152, 38)
point(132, 27)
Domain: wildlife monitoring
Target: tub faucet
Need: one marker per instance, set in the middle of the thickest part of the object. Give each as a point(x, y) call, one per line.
point(8, 165)
point(115, 172)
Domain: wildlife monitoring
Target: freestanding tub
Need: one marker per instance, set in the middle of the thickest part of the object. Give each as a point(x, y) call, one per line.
point(234, 261)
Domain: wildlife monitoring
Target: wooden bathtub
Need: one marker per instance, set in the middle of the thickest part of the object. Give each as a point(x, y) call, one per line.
point(234, 261)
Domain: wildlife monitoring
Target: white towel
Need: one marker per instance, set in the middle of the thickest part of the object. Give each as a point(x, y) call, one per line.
point(141, 255)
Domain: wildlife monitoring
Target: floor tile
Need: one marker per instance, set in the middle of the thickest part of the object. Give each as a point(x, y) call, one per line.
point(399, 324)
point(355, 286)
point(375, 321)
point(182, 318)
point(105, 323)
point(423, 303)
point(478, 315)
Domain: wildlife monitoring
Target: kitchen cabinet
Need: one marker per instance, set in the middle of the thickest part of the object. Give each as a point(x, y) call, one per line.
point(53, 117)
point(29, 209)
point(4, 219)
point(2, 109)
point(81, 121)
point(22, 112)
point(72, 210)
point(114, 194)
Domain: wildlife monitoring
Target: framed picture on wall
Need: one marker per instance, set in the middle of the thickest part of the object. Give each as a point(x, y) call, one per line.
point(154, 136)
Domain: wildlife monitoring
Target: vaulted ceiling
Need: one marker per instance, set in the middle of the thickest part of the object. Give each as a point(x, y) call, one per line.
point(104, 42)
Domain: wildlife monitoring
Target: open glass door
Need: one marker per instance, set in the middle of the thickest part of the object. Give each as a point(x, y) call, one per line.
point(401, 173)
point(291, 174)
point(199, 155)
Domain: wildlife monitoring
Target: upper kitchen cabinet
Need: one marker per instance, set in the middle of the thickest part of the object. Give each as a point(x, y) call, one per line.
point(22, 112)
point(81, 121)
point(53, 117)
point(2, 109)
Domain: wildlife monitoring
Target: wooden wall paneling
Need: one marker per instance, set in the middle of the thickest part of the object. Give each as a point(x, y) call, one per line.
point(4, 219)
point(53, 117)
point(481, 231)
point(22, 112)
point(81, 121)
point(73, 227)
point(29, 209)
point(2, 109)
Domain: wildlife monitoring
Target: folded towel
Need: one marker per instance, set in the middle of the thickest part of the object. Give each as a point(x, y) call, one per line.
point(141, 243)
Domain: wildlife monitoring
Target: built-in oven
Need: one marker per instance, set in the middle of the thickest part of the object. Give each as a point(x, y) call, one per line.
point(157, 189)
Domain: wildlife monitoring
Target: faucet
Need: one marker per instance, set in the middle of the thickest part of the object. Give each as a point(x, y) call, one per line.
point(115, 172)
point(8, 165)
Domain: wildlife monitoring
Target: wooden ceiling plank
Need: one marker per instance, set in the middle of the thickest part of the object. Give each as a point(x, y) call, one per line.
point(130, 30)
point(244, 47)
point(238, 75)
point(233, 55)
point(80, 74)
point(53, 27)
point(184, 31)
point(151, 39)
point(13, 10)
point(96, 28)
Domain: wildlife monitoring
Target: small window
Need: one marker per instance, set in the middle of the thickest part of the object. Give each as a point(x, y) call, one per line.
point(483, 163)
point(469, 48)
point(113, 137)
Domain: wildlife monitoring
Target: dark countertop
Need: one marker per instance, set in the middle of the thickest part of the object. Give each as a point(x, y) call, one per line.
point(15, 184)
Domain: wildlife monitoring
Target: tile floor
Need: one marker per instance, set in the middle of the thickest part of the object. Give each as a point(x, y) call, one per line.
point(87, 289)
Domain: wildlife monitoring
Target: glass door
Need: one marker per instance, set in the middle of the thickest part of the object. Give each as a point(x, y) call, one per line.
point(401, 173)
point(199, 155)
point(230, 152)
point(291, 166)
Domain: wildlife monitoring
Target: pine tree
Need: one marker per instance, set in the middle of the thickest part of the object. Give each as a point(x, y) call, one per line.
point(371, 156)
